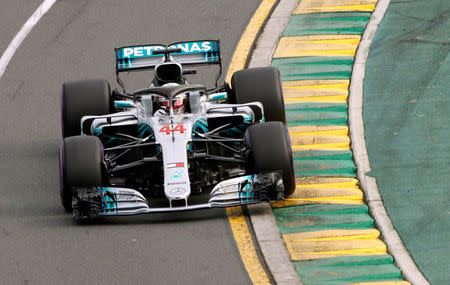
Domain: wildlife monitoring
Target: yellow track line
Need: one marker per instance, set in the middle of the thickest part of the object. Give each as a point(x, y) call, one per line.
point(245, 245)
point(248, 38)
point(235, 215)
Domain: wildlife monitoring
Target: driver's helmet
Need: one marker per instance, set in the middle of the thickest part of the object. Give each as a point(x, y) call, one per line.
point(178, 102)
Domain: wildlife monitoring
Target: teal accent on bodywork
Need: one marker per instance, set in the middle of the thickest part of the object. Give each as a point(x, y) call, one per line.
point(200, 126)
point(247, 192)
point(144, 128)
point(123, 104)
point(110, 140)
point(98, 131)
point(218, 96)
point(239, 130)
point(110, 204)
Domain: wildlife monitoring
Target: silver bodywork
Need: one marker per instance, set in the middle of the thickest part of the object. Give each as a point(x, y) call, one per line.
point(173, 133)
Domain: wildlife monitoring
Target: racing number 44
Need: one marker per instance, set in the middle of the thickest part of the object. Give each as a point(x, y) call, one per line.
point(178, 128)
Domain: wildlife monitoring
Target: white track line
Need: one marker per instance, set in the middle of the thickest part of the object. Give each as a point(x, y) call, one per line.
point(22, 34)
point(369, 184)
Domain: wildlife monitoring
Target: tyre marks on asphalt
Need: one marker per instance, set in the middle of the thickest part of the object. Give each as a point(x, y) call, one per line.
point(325, 224)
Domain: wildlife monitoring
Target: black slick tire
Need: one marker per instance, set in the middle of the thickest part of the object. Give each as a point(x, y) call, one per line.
point(261, 84)
point(81, 164)
point(80, 98)
point(270, 150)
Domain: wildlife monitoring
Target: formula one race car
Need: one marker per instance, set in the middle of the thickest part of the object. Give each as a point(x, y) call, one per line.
point(173, 146)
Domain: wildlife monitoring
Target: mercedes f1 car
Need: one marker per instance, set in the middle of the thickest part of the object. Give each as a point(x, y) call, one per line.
point(173, 146)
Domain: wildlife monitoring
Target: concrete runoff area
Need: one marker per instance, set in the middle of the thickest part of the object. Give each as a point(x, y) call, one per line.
point(38, 242)
point(406, 107)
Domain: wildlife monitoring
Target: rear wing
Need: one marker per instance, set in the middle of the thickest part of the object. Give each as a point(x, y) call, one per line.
point(130, 58)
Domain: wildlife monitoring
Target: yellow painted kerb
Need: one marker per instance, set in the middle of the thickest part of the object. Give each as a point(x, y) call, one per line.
point(314, 6)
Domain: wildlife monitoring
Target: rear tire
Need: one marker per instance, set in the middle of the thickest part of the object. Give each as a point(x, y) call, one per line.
point(81, 98)
point(81, 164)
point(270, 150)
point(260, 84)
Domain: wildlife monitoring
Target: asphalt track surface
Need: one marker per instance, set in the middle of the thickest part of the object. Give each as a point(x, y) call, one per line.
point(39, 244)
point(13, 15)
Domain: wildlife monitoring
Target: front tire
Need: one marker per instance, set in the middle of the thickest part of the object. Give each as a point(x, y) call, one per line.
point(270, 150)
point(81, 98)
point(81, 164)
point(260, 84)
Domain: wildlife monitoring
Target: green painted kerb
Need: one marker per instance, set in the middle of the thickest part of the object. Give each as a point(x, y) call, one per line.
point(348, 269)
point(316, 106)
point(327, 122)
point(314, 67)
point(348, 23)
point(313, 155)
point(307, 218)
point(319, 163)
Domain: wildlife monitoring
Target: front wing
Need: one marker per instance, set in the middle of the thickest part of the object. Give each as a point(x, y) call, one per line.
point(112, 201)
